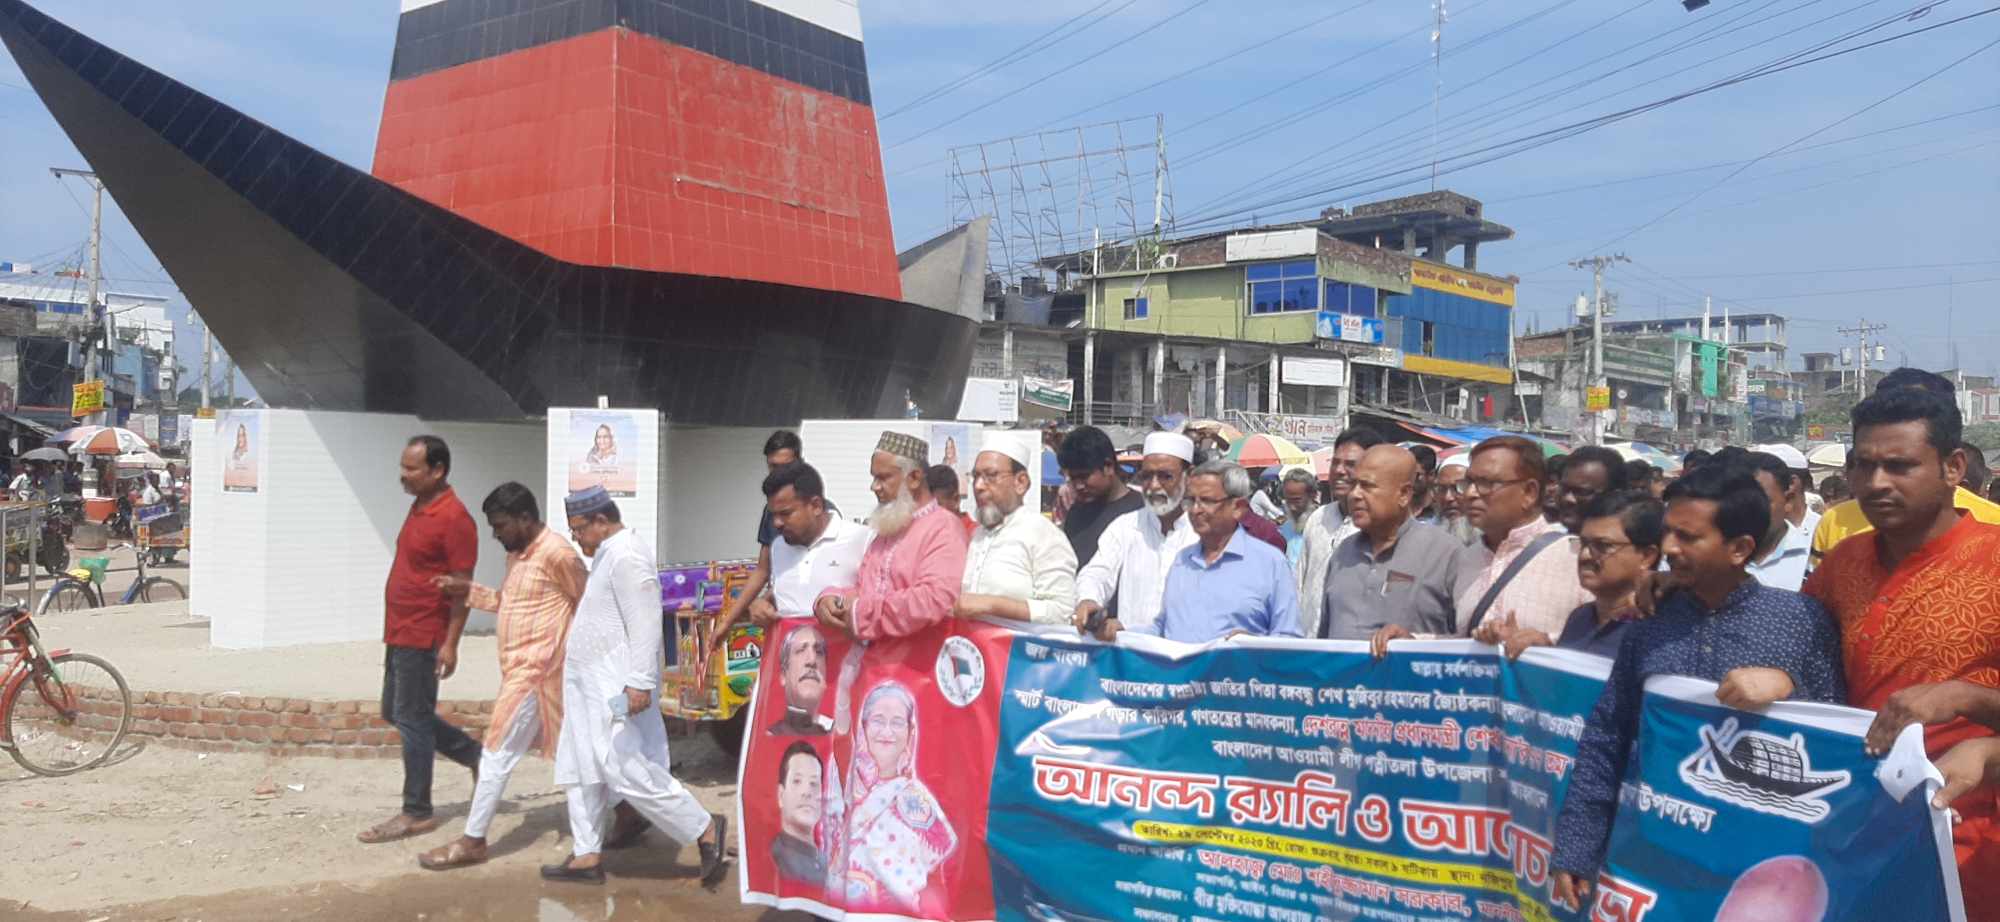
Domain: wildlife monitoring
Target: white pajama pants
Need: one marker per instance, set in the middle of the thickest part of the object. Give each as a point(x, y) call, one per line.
point(497, 764)
point(649, 787)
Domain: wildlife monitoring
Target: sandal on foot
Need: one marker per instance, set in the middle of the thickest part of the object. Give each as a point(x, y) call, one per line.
point(714, 861)
point(400, 826)
point(563, 872)
point(454, 854)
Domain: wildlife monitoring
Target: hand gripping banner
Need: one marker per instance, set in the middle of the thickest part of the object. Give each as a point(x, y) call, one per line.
point(978, 772)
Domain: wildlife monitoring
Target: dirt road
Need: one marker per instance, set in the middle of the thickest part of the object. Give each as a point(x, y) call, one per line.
point(163, 834)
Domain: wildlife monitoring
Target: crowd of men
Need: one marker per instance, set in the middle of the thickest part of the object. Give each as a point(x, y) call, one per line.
point(1889, 600)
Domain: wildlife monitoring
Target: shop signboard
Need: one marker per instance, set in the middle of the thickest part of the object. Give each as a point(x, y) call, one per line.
point(86, 398)
point(1349, 328)
point(1303, 431)
point(1597, 398)
point(991, 400)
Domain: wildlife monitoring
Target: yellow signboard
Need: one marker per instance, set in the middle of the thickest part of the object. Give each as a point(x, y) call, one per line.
point(86, 398)
point(205, 413)
point(1816, 432)
point(1597, 398)
point(1447, 368)
point(1460, 282)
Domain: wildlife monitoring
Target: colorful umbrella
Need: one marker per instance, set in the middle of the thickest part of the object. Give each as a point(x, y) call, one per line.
point(1832, 454)
point(1266, 451)
point(103, 440)
point(1322, 462)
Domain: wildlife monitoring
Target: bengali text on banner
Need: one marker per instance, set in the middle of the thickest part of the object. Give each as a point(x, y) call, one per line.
point(979, 772)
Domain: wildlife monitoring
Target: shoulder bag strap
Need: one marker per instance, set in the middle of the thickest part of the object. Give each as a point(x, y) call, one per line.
point(1514, 569)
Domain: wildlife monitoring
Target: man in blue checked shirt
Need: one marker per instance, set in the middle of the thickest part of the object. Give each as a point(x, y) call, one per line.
point(1228, 583)
point(1761, 644)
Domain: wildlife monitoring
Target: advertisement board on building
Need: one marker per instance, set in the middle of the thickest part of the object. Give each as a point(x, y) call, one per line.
point(1647, 416)
point(86, 398)
point(991, 400)
point(1304, 431)
point(1328, 372)
point(1349, 328)
point(1303, 241)
point(1597, 398)
point(1056, 394)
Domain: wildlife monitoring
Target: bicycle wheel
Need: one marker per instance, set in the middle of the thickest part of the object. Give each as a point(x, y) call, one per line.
point(69, 715)
point(161, 589)
point(67, 595)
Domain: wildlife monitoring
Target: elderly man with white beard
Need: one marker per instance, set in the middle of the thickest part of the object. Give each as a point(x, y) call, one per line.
point(1020, 566)
point(1128, 576)
point(909, 576)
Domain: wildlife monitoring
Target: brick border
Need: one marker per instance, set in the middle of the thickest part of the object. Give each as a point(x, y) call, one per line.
point(276, 726)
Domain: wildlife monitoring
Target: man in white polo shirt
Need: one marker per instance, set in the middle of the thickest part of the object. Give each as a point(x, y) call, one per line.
point(818, 549)
point(1127, 578)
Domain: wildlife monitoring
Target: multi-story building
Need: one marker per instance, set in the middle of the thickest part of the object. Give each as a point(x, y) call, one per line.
point(1759, 338)
point(1670, 389)
point(42, 357)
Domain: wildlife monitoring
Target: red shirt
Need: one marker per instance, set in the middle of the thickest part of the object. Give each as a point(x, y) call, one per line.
point(436, 539)
point(1262, 529)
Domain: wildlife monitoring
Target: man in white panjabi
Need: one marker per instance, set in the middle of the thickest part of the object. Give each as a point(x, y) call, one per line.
point(614, 743)
point(896, 831)
point(1019, 566)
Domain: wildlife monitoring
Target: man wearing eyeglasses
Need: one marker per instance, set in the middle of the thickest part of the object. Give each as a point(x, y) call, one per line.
point(1228, 584)
point(1523, 566)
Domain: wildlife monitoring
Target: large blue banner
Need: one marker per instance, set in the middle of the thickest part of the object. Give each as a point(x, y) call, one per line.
point(1288, 780)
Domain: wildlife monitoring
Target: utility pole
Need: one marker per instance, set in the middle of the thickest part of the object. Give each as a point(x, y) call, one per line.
point(1596, 265)
point(99, 323)
point(1864, 330)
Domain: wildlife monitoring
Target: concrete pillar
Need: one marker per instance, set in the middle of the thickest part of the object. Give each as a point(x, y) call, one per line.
point(1409, 240)
point(1007, 352)
point(1135, 365)
point(1159, 377)
point(1089, 372)
point(1221, 377)
point(1271, 378)
point(1472, 255)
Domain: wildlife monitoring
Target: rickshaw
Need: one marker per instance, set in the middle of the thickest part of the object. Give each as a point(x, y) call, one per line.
point(698, 687)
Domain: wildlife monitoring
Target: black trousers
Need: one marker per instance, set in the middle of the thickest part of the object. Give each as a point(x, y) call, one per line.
point(409, 703)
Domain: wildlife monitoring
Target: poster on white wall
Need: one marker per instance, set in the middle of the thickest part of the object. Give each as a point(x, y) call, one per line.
point(952, 446)
point(603, 447)
point(243, 449)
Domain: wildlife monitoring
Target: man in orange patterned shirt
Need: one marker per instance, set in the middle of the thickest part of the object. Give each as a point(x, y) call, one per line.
point(1918, 601)
point(545, 579)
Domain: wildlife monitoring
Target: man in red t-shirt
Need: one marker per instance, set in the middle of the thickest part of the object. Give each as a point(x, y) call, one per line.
point(420, 626)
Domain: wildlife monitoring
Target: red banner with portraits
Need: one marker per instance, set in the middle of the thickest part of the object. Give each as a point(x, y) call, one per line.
point(866, 770)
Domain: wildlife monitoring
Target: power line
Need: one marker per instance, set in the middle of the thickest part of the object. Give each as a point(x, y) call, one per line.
point(1525, 143)
point(1022, 52)
point(1910, 267)
point(1275, 175)
point(1080, 61)
point(1493, 117)
point(1727, 163)
point(1803, 138)
point(1198, 68)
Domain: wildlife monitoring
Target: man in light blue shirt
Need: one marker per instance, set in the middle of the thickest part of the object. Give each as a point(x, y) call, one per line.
point(1228, 583)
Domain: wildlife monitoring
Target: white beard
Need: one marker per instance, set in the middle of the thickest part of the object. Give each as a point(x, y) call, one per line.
point(989, 515)
point(890, 518)
point(1163, 503)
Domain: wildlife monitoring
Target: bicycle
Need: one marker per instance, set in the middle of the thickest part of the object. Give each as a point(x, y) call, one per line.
point(76, 590)
point(78, 701)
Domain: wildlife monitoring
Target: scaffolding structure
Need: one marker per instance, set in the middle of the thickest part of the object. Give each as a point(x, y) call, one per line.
point(1061, 192)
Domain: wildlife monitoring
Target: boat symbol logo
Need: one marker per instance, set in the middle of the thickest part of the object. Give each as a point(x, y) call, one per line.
point(1761, 772)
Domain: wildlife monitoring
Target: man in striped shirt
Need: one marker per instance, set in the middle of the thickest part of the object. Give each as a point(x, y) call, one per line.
point(545, 578)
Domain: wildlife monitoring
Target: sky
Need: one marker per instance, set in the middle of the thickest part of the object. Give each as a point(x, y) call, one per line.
point(1812, 192)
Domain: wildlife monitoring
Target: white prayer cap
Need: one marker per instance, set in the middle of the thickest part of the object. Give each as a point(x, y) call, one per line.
point(1793, 458)
point(1170, 443)
point(1012, 446)
point(1462, 459)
